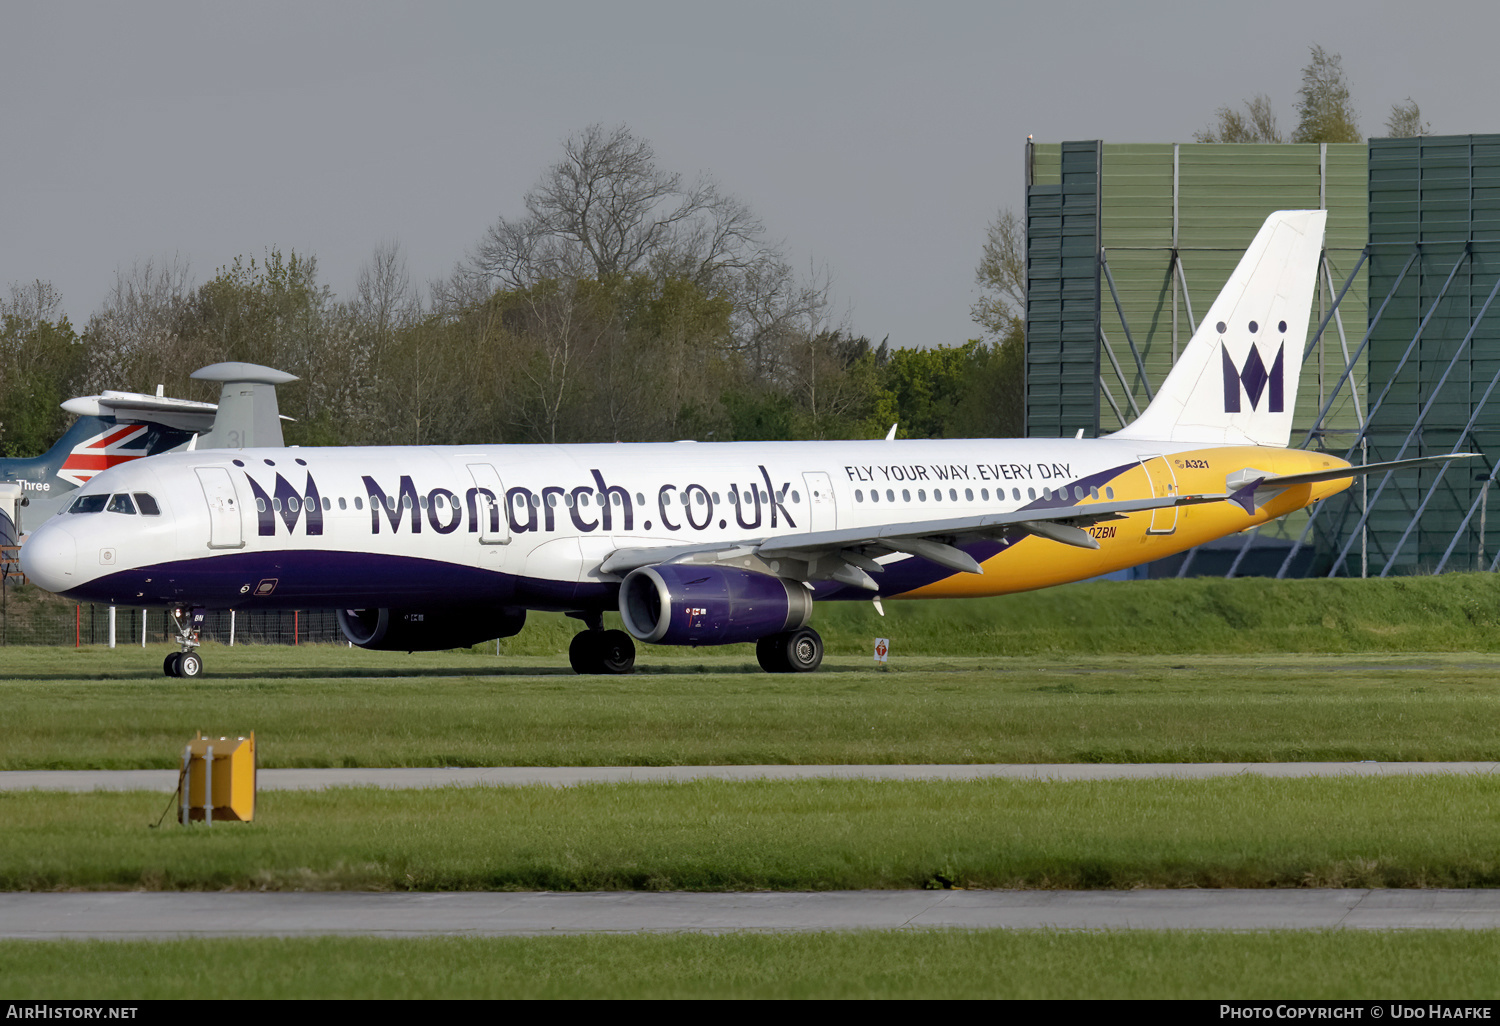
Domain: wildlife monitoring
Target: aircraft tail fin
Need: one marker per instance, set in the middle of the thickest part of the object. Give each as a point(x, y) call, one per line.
point(248, 414)
point(1236, 382)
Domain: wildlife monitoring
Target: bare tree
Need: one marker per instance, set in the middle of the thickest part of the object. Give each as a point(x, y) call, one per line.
point(559, 337)
point(31, 303)
point(775, 309)
point(136, 334)
point(384, 299)
point(1002, 276)
point(606, 209)
point(1405, 121)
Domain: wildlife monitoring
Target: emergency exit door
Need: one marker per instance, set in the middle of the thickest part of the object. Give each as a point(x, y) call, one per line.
point(494, 523)
point(822, 511)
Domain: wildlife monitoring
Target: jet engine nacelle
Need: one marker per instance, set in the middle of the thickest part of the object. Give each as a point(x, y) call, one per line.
point(428, 629)
point(696, 604)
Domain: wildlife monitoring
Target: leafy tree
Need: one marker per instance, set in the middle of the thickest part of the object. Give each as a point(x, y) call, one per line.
point(992, 404)
point(42, 360)
point(1405, 121)
point(972, 390)
point(1256, 125)
point(1325, 113)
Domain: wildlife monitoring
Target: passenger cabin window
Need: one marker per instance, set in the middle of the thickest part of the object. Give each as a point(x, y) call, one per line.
point(121, 504)
point(147, 505)
point(90, 504)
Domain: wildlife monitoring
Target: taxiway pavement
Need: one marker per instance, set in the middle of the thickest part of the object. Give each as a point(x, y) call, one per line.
point(568, 776)
point(161, 916)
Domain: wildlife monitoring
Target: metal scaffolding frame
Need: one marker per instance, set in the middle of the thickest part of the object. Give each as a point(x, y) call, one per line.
point(1316, 432)
point(1179, 277)
point(1418, 218)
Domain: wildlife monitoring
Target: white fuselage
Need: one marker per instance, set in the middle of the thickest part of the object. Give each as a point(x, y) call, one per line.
point(406, 524)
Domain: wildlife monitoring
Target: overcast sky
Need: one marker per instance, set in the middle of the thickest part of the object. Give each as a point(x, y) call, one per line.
point(876, 140)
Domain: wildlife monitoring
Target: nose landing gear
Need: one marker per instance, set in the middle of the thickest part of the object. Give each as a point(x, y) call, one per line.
point(187, 663)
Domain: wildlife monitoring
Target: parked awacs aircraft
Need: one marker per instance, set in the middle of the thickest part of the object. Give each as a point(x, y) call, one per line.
point(707, 544)
point(116, 427)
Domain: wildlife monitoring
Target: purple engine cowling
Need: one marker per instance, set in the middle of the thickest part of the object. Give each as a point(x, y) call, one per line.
point(688, 604)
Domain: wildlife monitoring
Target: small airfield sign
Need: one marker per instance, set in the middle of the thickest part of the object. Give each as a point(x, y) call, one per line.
point(882, 649)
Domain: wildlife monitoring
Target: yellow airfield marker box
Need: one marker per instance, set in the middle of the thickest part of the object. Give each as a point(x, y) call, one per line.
point(221, 769)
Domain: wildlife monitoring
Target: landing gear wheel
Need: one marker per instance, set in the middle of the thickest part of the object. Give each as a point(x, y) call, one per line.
point(172, 665)
point(615, 651)
point(804, 650)
point(768, 652)
point(595, 652)
point(189, 664)
point(798, 651)
point(581, 653)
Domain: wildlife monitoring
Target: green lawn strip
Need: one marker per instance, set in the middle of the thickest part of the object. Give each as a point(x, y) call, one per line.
point(779, 835)
point(1283, 965)
point(1416, 707)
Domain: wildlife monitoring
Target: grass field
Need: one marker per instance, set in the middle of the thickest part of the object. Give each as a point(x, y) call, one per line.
point(779, 835)
point(330, 706)
point(906, 964)
point(1192, 670)
point(1148, 671)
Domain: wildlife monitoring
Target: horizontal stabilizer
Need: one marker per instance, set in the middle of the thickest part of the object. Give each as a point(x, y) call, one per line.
point(139, 408)
point(1246, 486)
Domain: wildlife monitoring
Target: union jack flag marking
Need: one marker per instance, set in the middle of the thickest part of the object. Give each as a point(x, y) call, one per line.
point(102, 451)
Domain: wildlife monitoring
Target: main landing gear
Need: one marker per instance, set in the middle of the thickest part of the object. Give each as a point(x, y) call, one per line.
point(187, 663)
point(798, 651)
point(597, 650)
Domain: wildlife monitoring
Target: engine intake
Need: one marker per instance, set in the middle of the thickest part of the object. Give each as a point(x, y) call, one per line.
point(428, 629)
point(695, 604)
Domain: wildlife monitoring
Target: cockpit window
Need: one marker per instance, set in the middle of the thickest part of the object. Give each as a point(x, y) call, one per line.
point(147, 504)
point(121, 504)
point(89, 504)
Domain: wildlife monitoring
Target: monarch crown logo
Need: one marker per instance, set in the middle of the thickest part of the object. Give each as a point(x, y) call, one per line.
point(1253, 377)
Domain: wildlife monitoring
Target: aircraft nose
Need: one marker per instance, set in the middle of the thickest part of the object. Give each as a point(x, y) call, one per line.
point(49, 558)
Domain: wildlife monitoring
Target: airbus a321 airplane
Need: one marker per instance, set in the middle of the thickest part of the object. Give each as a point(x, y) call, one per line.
point(423, 548)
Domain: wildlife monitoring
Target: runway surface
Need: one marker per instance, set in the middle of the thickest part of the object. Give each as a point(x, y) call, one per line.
point(161, 916)
point(567, 776)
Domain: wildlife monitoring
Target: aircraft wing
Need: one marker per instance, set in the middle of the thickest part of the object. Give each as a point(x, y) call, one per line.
point(1246, 486)
point(849, 555)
